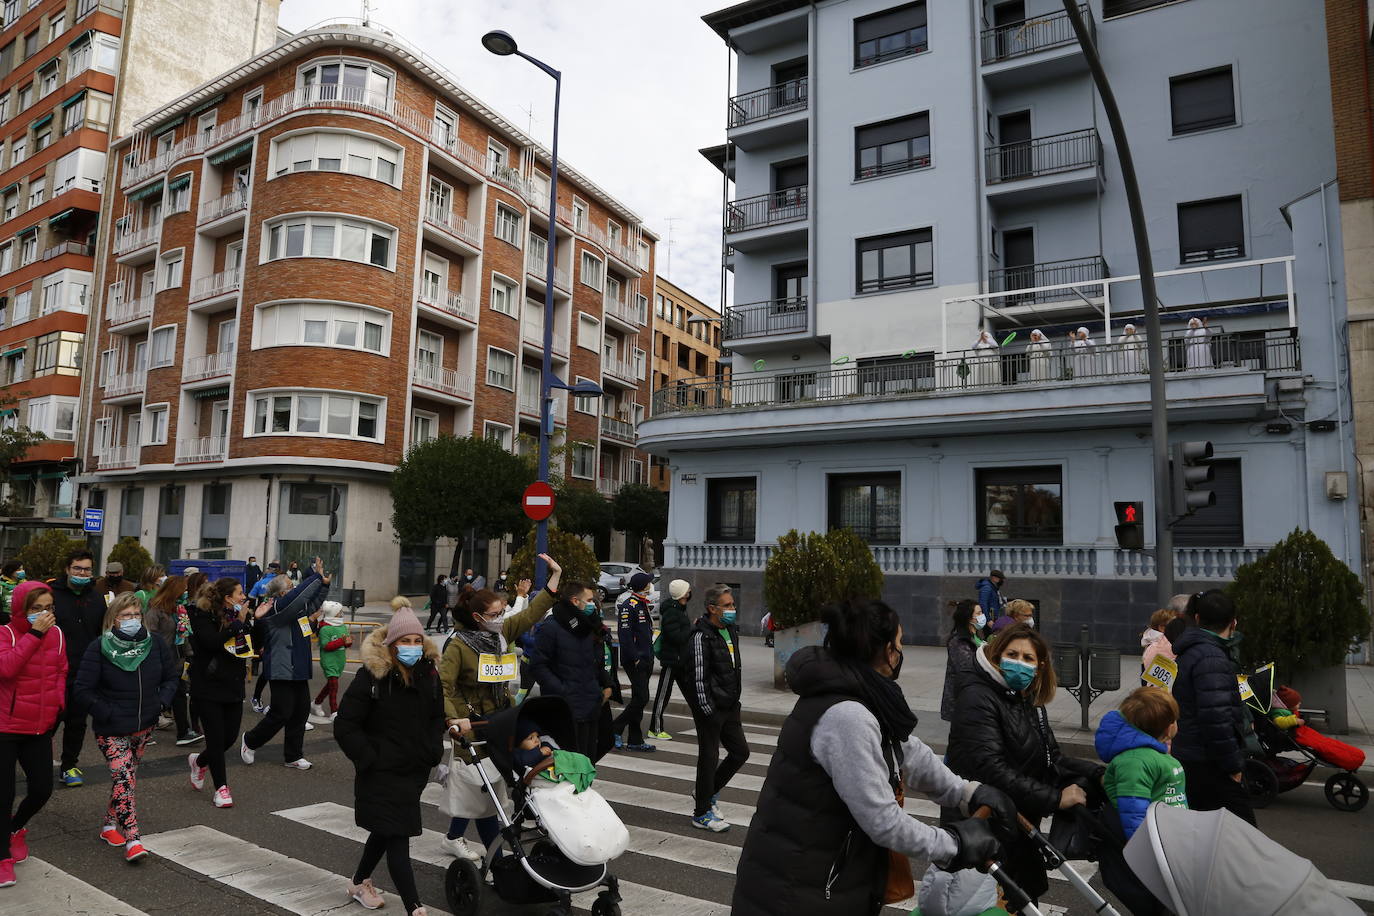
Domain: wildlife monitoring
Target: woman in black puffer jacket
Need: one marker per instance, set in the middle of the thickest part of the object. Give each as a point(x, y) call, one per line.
point(1001, 736)
point(964, 640)
point(127, 677)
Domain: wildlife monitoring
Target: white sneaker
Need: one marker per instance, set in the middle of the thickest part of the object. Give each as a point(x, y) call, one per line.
point(222, 798)
point(333, 716)
point(246, 752)
point(709, 821)
point(165, 722)
point(317, 709)
point(308, 726)
point(460, 849)
point(197, 773)
point(301, 764)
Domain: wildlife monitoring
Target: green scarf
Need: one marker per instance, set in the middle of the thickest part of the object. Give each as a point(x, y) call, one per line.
point(122, 653)
point(570, 766)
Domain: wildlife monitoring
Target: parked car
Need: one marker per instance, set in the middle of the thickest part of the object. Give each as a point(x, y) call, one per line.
point(615, 578)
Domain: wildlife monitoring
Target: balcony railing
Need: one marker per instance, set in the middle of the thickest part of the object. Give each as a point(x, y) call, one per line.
point(123, 384)
point(619, 368)
point(454, 224)
point(759, 319)
point(220, 284)
point(989, 371)
point(75, 248)
point(1038, 33)
point(206, 448)
point(769, 209)
point(1043, 156)
point(118, 456)
point(536, 266)
point(208, 366)
point(768, 103)
point(618, 429)
point(232, 202)
point(449, 381)
point(125, 310)
point(624, 311)
point(609, 486)
point(533, 332)
point(1047, 273)
point(134, 239)
point(448, 301)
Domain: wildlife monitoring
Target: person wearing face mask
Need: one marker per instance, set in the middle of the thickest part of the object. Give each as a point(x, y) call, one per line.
point(11, 574)
point(33, 677)
point(391, 726)
point(220, 633)
point(1001, 736)
point(712, 684)
point(80, 611)
point(114, 582)
point(675, 627)
point(127, 677)
point(149, 583)
point(830, 808)
point(477, 671)
point(1017, 610)
point(964, 639)
point(162, 618)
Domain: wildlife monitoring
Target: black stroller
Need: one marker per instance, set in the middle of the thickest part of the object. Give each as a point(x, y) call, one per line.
point(535, 870)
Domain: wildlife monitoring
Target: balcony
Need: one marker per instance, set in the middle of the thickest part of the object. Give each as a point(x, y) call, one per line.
point(206, 448)
point(448, 304)
point(615, 428)
point(765, 319)
point(767, 117)
point(453, 382)
point(125, 384)
point(117, 457)
point(623, 370)
point(532, 332)
point(768, 219)
point(1073, 279)
point(454, 228)
point(627, 314)
point(529, 401)
point(217, 209)
point(129, 241)
point(216, 286)
point(538, 268)
point(1059, 165)
point(124, 311)
point(208, 366)
point(76, 248)
point(609, 486)
point(1034, 50)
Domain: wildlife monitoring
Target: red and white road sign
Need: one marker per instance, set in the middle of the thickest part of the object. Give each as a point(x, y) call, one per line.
point(538, 501)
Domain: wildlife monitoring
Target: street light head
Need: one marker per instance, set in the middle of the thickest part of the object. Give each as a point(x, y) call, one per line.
point(499, 43)
point(587, 389)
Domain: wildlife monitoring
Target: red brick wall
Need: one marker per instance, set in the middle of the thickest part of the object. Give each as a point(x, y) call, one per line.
point(1352, 87)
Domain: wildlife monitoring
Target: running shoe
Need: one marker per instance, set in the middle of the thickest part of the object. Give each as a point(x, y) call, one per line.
point(19, 845)
point(301, 764)
point(641, 748)
point(72, 778)
point(460, 848)
point(133, 851)
point(709, 821)
point(660, 736)
point(366, 894)
point(222, 798)
point(7, 878)
point(246, 752)
point(197, 773)
point(112, 836)
point(190, 738)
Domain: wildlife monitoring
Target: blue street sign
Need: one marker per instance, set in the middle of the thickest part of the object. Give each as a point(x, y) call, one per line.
point(93, 521)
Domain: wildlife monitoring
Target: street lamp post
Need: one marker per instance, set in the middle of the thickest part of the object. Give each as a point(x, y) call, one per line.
point(503, 44)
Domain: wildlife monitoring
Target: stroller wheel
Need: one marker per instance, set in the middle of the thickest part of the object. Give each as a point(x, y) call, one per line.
point(463, 887)
point(1346, 792)
point(1260, 782)
point(605, 906)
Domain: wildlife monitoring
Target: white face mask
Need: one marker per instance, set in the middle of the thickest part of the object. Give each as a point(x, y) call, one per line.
point(980, 621)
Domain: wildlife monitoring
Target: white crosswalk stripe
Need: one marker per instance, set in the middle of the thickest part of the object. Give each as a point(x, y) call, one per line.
point(45, 888)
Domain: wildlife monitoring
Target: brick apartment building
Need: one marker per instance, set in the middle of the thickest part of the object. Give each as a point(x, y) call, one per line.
point(686, 349)
point(319, 258)
point(65, 84)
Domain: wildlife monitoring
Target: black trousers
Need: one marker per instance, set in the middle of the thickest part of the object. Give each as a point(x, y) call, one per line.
point(397, 852)
point(714, 731)
point(1209, 789)
point(33, 754)
point(632, 716)
point(290, 707)
point(441, 612)
point(221, 722)
point(73, 729)
point(586, 737)
point(184, 711)
point(666, 676)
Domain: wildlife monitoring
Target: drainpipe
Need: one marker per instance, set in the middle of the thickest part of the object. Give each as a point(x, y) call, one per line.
point(985, 224)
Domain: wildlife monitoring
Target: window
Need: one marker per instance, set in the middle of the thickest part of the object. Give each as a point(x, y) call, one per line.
point(28, 248)
point(58, 353)
point(731, 507)
point(498, 433)
point(579, 215)
point(308, 499)
point(500, 369)
point(588, 333)
point(585, 403)
point(38, 190)
point(1201, 101)
point(31, 43)
point(47, 80)
point(583, 460)
point(107, 53)
point(1020, 505)
point(11, 204)
point(868, 504)
point(73, 114)
point(169, 274)
point(65, 290)
point(22, 302)
point(5, 101)
point(445, 126)
point(890, 34)
point(898, 145)
point(423, 426)
point(507, 225)
point(57, 24)
point(156, 424)
point(179, 194)
point(593, 270)
point(1112, 8)
point(1222, 525)
point(349, 81)
point(496, 155)
point(162, 344)
point(316, 413)
point(322, 324)
point(1211, 230)
point(19, 150)
point(53, 416)
point(320, 151)
point(897, 261)
point(205, 126)
point(25, 97)
point(78, 57)
point(614, 292)
point(503, 295)
point(330, 237)
point(42, 138)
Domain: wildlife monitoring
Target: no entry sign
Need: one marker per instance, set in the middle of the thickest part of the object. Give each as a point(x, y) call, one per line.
point(538, 501)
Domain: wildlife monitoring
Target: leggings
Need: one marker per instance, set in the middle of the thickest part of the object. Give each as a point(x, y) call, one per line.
point(33, 753)
point(662, 695)
point(260, 685)
point(488, 829)
point(221, 723)
point(397, 852)
point(123, 753)
point(331, 690)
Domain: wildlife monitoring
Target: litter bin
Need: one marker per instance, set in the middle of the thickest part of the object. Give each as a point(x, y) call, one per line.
point(1066, 666)
point(215, 569)
point(1104, 668)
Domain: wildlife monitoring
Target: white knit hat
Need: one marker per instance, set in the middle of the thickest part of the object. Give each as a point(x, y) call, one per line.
point(678, 589)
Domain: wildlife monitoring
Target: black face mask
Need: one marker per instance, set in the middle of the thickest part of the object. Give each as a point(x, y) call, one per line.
point(113, 578)
point(897, 668)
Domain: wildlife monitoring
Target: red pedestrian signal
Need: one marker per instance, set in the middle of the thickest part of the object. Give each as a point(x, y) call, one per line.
point(1130, 513)
point(1130, 525)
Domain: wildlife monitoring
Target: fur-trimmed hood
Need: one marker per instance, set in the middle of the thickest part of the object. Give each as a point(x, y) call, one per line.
point(377, 657)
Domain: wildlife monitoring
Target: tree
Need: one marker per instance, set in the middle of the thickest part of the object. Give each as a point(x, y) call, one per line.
point(577, 559)
point(45, 557)
point(1299, 607)
point(640, 510)
point(450, 487)
point(133, 555)
point(808, 571)
point(14, 443)
point(583, 511)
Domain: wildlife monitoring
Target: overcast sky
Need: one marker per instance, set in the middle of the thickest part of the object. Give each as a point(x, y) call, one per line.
point(644, 86)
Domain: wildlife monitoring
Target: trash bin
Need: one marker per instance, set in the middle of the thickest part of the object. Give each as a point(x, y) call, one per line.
point(215, 569)
point(1066, 666)
point(1104, 668)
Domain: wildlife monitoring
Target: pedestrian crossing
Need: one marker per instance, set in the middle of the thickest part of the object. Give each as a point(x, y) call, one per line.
point(45, 888)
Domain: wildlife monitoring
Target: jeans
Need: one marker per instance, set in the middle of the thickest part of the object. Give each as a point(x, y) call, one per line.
point(123, 753)
point(1210, 789)
point(32, 754)
point(221, 723)
point(290, 707)
point(73, 729)
point(632, 717)
point(397, 852)
point(666, 677)
point(713, 774)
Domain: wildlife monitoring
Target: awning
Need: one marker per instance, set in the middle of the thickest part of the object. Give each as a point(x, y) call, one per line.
point(29, 231)
point(52, 475)
point(9, 188)
point(84, 36)
point(203, 106)
point(167, 125)
point(22, 476)
point(179, 182)
point(61, 216)
point(152, 190)
point(41, 121)
point(206, 393)
point(74, 99)
point(12, 351)
point(6, 412)
point(232, 153)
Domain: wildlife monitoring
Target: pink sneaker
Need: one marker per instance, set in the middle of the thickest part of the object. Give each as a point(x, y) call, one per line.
point(366, 894)
point(197, 773)
point(112, 836)
point(19, 845)
point(222, 798)
point(6, 872)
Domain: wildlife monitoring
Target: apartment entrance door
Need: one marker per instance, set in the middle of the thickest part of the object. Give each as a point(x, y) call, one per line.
point(1014, 137)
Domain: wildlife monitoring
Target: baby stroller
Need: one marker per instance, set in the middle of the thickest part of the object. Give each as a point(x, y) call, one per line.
point(558, 842)
point(1270, 772)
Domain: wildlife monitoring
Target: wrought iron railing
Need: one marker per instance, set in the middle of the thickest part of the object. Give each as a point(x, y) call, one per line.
point(1038, 33)
point(760, 319)
point(761, 104)
point(1043, 156)
point(769, 209)
point(617, 428)
point(1048, 273)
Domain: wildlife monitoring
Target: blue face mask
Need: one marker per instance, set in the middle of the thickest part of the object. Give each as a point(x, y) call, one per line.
point(80, 581)
point(727, 617)
point(20, 576)
point(589, 608)
point(130, 627)
point(32, 618)
point(409, 655)
point(1018, 675)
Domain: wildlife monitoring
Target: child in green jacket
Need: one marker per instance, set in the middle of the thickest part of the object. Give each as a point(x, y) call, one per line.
point(334, 643)
point(1134, 742)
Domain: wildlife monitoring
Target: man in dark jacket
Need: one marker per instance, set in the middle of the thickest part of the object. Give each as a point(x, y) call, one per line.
point(636, 633)
point(1211, 723)
point(675, 627)
point(712, 684)
point(80, 612)
point(252, 572)
point(284, 619)
point(990, 594)
point(113, 580)
point(568, 660)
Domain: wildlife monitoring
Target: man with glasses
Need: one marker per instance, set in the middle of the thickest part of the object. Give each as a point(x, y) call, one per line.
point(711, 682)
point(80, 611)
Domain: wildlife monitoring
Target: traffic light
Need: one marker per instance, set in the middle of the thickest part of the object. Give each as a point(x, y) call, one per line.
point(1191, 473)
point(1130, 525)
point(334, 500)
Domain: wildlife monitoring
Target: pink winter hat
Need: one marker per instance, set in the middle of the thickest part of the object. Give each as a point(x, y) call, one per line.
point(20, 593)
point(403, 623)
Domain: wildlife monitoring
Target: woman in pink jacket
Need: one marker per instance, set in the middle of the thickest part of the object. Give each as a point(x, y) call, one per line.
point(33, 678)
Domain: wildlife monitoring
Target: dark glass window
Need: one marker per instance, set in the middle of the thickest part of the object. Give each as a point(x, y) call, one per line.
point(1112, 8)
point(897, 374)
point(892, 146)
point(1211, 230)
point(1222, 525)
point(1200, 101)
point(895, 261)
point(171, 497)
point(890, 34)
point(731, 508)
point(869, 504)
point(1020, 505)
point(216, 499)
point(308, 499)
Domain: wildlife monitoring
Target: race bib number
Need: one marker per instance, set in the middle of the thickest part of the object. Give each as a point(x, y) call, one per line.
point(496, 669)
point(304, 623)
point(1246, 693)
point(1161, 673)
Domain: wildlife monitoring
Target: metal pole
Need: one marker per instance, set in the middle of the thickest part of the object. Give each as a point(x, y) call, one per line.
point(541, 540)
point(1085, 693)
point(1159, 421)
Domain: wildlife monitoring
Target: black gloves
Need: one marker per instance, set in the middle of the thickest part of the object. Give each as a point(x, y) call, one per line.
point(1003, 808)
point(977, 845)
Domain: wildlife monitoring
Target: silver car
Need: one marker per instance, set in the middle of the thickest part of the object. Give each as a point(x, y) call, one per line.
point(615, 581)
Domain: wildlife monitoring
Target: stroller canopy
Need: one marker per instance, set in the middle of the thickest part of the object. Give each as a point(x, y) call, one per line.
point(1201, 863)
point(552, 716)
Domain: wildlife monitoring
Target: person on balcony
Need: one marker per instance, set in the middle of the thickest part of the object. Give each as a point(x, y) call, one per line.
point(1082, 346)
point(1131, 347)
point(1198, 349)
point(1038, 353)
point(987, 365)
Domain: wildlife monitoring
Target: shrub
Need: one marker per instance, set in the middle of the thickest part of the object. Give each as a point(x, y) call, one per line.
point(808, 571)
point(1298, 607)
point(45, 557)
point(569, 551)
point(134, 557)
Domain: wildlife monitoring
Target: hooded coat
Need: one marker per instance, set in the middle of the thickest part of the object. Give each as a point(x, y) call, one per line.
point(126, 702)
point(569, 659)
point(394, 734)
point(33, 677)
point(1139, 771)
point(1211, 722)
